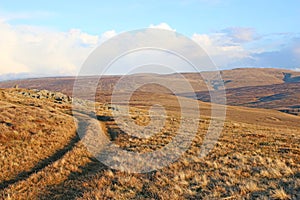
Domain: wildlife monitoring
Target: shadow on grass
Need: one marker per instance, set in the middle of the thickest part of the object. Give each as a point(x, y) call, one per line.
point(42, 164)
point(72, 188)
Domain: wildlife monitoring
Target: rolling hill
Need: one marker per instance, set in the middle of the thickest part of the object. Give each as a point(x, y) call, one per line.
point(251, 87)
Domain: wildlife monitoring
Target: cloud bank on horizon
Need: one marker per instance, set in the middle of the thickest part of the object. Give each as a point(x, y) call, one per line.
point(35, 49)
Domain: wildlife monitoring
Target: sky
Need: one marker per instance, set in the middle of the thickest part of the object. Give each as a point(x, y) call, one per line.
point(55, 37)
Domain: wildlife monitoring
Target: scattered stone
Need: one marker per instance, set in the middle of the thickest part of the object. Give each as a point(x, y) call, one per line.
point(113, 107)
point(57, 97)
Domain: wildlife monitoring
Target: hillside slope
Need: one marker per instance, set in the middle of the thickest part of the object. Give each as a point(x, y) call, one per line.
point(262, 88)
point(42, 157)
point(235, 78)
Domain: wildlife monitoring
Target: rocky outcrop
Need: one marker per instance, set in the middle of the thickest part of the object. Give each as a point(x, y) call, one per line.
point(57, 97)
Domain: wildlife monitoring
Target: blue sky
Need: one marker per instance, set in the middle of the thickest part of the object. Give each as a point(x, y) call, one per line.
point(186, 16)
point(235, 33)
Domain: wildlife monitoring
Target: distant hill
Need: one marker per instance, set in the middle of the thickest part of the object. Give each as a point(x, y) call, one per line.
point(252, 87)
point(284, 97)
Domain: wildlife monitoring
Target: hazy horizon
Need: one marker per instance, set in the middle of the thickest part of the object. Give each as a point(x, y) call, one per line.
point(23, 76)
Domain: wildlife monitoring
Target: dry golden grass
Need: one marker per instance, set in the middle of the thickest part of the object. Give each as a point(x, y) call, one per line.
point(29, 136)
point(254, 157)
point(280, 194)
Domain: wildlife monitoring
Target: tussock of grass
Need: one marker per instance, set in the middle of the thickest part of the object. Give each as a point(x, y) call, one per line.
point(280, 194)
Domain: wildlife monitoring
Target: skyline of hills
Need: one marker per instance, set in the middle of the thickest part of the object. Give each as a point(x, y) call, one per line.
point(251, 87)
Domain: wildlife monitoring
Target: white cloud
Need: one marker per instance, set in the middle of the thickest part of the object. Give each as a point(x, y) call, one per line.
point(84, 37)
point(40, 50)
point(220, 48)
point(162, 26)
point(107, 35)
point(8, 44)
point(240, 47)
point(240, 34)
point(288, 56)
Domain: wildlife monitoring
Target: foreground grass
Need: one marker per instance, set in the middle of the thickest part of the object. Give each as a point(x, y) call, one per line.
point(250, 161)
